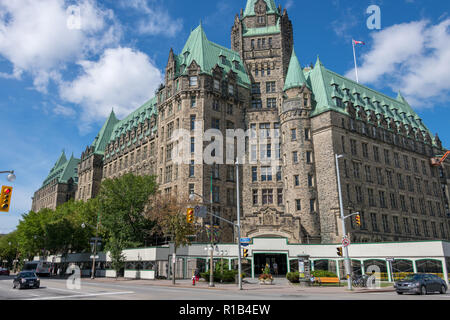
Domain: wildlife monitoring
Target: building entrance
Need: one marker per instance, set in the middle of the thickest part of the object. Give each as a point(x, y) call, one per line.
point(277, 263)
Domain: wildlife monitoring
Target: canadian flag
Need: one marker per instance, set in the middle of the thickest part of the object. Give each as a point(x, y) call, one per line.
point(359, 42)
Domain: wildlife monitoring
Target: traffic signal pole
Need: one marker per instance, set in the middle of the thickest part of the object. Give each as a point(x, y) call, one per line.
point(239, 226)
point(341, 205)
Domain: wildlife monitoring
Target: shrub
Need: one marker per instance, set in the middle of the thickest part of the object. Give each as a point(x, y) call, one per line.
point(293, 277)
point(324, 274)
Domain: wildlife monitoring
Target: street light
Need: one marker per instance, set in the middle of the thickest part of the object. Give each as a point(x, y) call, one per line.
point(83, 225)
point(11, 176)
point(347, 258)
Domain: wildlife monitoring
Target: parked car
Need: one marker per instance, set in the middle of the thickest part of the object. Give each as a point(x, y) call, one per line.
point(421, 283)
point(4, 272)
point(41, 268)
point(26, 280)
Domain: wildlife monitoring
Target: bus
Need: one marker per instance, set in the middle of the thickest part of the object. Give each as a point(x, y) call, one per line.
point(39, 267)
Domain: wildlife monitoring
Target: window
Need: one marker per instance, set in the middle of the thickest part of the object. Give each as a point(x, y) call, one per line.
point(401, 185)
point(298, 204)
point(312, 205)
point(359, 195)
point(193, 81)
point(434, 229)
point(390, 178)
point(393, 199)
point(296, 180)
point(216, 105)
point(295, 157)
point(307, 134)
point(406, 162)
point(192, 145)
point(396, 225)
point(293, 134)
point(410, 184)
point(356, 171)
point(267, 197)
point(271, 103)
point(396, 160)
point(365, 150)
point(193, 101)
point(280, 197)
point(310, 180)
point(215, 123)
point(278, 173)
point(270, 87)
point(255, 197)
point(216, 194)
point(382, 195)
point(266, 174)
point(216, 84)
point(406, 226)
point(384, 219)
point(412, 202)
point(266, 151)
point(192, 169)
point(403, 203)
point(193, 118)
point(230, 90)
point(416, 227)
point(368, 173)
point(254, 174)
point(231, 197)
point(309, 159)
point(387, 159)
point(372, 202)
point(425, 228)
point(191, 188)
point(231, 173)
point(343, 144)
point(376, 154)
point(353, 147)
point(230, 109)
point(264, 130)
point(253, 152)
point(373, 217)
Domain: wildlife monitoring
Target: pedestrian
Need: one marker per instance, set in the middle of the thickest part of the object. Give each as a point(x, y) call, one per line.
point(197, 275)
point(275, 268)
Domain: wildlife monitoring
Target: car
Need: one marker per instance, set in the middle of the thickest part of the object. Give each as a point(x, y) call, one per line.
point(26, 279)
point(421, 283)
point(4, 272)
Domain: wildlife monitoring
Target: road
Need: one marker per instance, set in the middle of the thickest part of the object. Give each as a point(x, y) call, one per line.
point(56, 289)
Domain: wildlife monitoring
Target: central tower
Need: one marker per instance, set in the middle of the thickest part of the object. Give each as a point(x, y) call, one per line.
point(263, 36)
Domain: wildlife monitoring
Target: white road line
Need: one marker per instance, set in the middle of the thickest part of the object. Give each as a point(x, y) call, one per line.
point(83, 296)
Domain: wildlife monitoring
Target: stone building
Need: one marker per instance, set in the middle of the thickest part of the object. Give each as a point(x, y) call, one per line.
point(60, 185)
point(296, 119)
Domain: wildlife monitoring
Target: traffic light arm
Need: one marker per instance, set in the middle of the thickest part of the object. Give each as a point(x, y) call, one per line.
point(351, 215)
point(220, 218)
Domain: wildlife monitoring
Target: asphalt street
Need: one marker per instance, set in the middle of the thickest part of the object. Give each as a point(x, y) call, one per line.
point(56, 289)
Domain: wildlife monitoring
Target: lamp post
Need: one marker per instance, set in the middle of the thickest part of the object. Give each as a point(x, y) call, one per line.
point(341, 206)
point(83, 225)
point(11, 176)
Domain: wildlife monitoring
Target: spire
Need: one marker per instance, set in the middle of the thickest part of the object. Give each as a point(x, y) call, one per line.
point(318, 62)
point(250, 7)
point(61, 160)
point(295, 77)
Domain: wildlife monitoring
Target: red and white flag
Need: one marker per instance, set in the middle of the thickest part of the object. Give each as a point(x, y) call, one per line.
point(359, 42)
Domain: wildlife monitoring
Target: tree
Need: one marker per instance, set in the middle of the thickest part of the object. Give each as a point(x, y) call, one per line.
point(122, 202)
point(9, 248)
point(115, 248)
point(170, 215)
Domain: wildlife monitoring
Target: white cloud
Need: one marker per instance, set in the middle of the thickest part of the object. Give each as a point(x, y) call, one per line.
point(157, 20)
point(122, 79)
point(64, 111)
point(35, 38)
point(412, 57)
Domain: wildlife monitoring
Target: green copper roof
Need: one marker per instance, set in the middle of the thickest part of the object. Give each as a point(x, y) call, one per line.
point(146, 111)
point(63, 170)
point(104, 135)
point(251, 32)
point(207, 55)
point(250, 8)
point(295, 77)
point(321, 79)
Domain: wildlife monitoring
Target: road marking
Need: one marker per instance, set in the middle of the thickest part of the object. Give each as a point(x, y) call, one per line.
point(83, 295)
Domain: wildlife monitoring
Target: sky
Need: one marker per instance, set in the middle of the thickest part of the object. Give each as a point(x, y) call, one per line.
point(64, 65)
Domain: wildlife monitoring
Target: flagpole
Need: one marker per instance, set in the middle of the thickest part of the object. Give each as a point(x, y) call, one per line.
point(354, 56)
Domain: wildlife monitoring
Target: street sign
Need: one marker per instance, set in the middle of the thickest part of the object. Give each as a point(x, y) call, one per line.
point(390, 259)
point(345, 242)
point(200, 211)
point(245, 242)
point(96, 239)
point(96, 257)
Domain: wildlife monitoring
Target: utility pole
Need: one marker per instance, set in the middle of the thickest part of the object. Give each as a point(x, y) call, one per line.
point(211, 257)
point(347, 258)
point(239, 225)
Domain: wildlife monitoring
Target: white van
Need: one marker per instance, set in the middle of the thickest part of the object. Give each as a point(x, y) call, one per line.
point(39, 267)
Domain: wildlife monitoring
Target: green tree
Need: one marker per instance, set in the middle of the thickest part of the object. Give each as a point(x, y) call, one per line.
point(9, 249)
point(122, 202)
point(170, 215)
point(115, 248)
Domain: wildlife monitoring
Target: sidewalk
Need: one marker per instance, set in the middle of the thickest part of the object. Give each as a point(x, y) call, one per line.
point(249, 284)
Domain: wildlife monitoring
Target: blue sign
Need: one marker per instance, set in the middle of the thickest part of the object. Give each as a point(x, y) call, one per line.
point(245, 241)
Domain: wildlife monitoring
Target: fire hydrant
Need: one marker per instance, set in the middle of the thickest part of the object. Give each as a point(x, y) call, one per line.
point(193, 280)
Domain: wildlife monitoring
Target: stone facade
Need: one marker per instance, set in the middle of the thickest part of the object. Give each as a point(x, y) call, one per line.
point(299, 118)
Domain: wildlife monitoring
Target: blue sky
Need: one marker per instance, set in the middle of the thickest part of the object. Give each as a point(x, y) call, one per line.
point(58, 81)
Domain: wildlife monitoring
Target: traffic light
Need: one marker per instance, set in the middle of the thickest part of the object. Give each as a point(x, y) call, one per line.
point(358, 220)
point(340, 252)
point(245, 253)
point(190, 216)
point(5, 199)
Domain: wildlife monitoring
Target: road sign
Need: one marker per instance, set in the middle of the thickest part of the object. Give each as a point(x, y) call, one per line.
point(96, 257)
point(96, 239)
point(245, 241)
point(345, 242)
point(200, 211)
point(390, 259)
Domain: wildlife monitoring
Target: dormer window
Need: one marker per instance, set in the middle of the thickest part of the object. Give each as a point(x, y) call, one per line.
point(261, 20)
point(186, 55)
point(193, 81)
point(223, 59)
point(236, 65)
